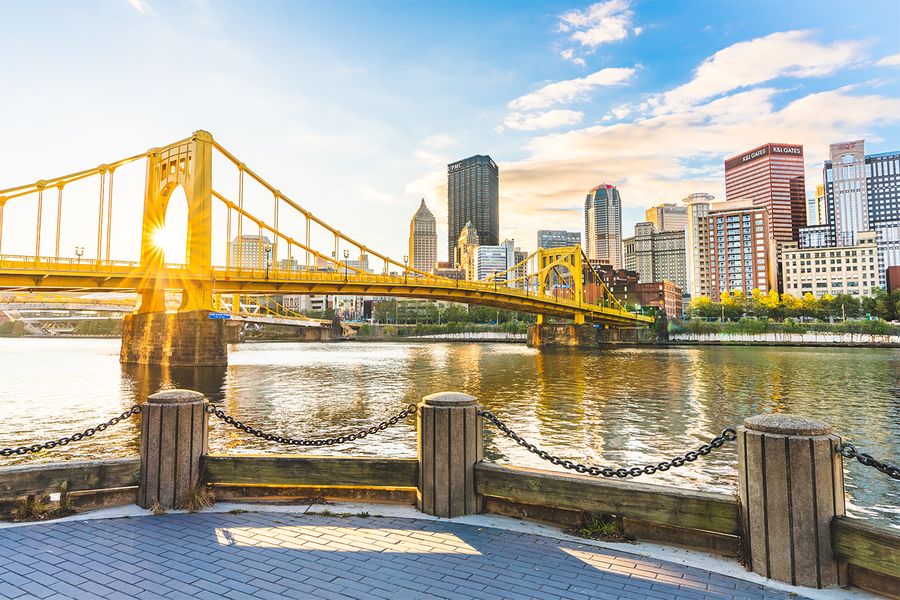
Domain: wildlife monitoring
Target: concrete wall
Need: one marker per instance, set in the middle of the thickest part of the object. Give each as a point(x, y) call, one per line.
point(810, 338)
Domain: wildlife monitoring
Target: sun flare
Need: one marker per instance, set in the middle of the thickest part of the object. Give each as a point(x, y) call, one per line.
point(171, 242)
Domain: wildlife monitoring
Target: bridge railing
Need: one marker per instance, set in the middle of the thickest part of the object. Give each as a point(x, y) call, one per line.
point(786, 520)
point(48, 265)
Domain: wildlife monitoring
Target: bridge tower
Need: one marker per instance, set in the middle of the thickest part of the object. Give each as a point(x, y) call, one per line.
point(188, 337)
point(550, 261)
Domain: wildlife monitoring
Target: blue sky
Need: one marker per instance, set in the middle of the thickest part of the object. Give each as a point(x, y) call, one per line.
point(355, 108)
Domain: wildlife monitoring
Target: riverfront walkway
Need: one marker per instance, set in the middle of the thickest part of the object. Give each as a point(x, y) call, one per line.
point(281, 555)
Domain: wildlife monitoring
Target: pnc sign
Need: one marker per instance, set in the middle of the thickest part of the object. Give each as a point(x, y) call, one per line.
point(767, 150)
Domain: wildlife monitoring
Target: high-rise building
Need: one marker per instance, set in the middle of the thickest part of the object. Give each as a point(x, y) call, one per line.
point(845, 183)
point(464, 252)
point(557, 238)
point(490, 260)
point(860, 190)
point(251, 252)
point(741, 248)
point(423, 240)
point(656, 255)
point(603, 225)
point(772, 176)
point(667, 217)
point(834, 270)
point(883, 186)
point(820, 215)
point(887, 239)
point(473, 195)
point(696, 244)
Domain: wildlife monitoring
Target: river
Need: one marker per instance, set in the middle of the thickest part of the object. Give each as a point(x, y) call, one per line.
point(622, 407)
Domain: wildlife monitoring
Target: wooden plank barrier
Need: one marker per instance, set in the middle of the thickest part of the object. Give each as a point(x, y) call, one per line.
point(872, 553)
point(37, 480)
point(699, 519)
point(314, 471)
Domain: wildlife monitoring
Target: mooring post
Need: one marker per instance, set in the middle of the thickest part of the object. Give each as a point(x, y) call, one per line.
point(450, 443)
point(174, 433)
point(791, 485)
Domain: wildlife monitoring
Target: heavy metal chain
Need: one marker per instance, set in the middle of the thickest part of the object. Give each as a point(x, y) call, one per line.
point(728, 435)
point(849, 451)
point(134, 410)
point(409, 410)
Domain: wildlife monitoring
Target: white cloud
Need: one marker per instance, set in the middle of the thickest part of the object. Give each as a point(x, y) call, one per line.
point(600, 23)
point(572, 90)
point(618, 112)
point(439, 140)
point(889, 61)
point(542, 120)
point(139, 5)
point(741, 65)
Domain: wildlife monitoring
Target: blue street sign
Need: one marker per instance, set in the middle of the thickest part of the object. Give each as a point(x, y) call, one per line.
point(219, 316)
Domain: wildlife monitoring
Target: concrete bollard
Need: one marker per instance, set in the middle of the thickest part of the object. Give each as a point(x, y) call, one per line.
point(450, 443)
point(791, 484)
point(174, 433)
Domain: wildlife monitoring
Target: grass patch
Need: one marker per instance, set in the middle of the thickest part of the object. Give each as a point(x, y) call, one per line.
point(199, 498)
point(157, 509)
point(601, 527)
point(35, 509)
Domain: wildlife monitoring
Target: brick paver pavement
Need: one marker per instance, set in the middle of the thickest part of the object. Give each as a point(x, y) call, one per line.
point(272, 555)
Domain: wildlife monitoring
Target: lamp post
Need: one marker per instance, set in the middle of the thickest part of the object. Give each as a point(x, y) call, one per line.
point(268, 260)
point(346, 256)
point(405, 272)
point(79, 252)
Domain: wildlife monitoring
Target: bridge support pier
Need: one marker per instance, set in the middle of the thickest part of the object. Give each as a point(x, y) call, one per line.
point(183, 339)
point(584, 335)
point(567, 335)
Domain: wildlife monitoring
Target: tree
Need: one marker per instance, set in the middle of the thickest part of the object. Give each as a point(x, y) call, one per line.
point(703, 308)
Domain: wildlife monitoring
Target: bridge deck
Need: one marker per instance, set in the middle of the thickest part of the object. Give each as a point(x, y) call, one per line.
point(271, 555)
point(22, 273)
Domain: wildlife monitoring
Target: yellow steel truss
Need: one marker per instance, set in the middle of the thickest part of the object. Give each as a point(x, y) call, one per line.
point(189, 163)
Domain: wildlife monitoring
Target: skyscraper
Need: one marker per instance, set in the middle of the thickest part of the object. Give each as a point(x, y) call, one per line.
point(845, 185)
point(603, 225)
point(473, 195)
point(696, 243)
point(464, 251)
point(667, 217)
point(741, 248)
point(423, 240)
point(251, 252)
point(656, 255)
point(860, 190)
point(557, 238)
point(771, 176)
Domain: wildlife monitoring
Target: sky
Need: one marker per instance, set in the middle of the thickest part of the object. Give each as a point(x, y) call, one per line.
point(354, 109)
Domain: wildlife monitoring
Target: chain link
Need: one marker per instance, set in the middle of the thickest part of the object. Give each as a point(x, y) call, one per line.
point(849, 451)
point(728, 435)
point(22, 450)
point(408, 411)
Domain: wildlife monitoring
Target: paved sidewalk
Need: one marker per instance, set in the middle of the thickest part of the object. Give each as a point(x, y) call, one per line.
point(275, 555)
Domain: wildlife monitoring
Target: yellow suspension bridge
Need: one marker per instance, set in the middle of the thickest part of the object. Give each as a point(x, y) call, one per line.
point(297, 253)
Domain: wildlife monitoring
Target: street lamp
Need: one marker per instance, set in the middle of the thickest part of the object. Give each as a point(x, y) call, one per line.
point(405, 271)
point(268, 260)
point(79, 252)
point(346, 256)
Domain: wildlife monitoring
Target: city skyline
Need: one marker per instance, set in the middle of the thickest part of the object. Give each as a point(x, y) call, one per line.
point(561, 95)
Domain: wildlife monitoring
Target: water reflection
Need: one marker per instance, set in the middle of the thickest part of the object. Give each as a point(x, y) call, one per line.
point(612, 407)
point(141, 381)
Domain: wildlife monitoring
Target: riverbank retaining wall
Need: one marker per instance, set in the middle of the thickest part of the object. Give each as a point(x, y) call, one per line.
point(812, 338)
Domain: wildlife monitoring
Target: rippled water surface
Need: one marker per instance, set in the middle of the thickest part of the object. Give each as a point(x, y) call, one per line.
point(609, 407)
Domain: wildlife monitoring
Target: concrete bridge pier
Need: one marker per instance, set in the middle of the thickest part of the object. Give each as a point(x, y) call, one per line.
point(583, 335)
point(182, 339)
